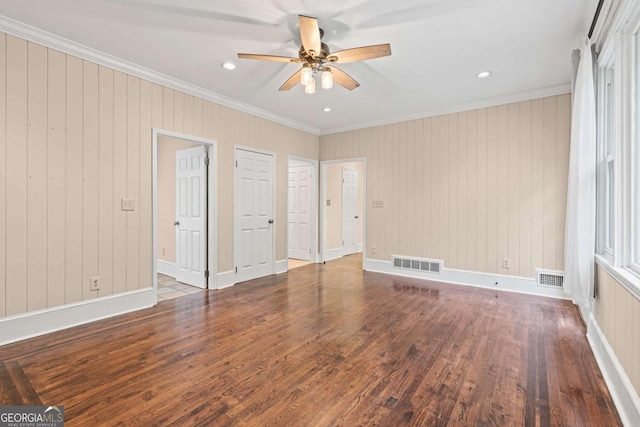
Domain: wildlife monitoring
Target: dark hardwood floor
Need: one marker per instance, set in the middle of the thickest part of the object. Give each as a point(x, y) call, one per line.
point(322, 345)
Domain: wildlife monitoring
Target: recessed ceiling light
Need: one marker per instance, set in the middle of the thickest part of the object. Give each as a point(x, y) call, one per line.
point(326, 109)
point(483, 74)
point(228, 65)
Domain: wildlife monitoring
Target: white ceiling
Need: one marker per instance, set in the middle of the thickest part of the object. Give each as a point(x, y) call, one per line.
point(438, 47)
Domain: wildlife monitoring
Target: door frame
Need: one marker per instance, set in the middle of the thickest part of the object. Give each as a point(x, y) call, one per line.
point(313, 240)
point(323, 205)
point(211, 147)
point(237, 147)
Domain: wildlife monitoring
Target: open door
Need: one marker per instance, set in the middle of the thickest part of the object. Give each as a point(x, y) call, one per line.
point(191, 216)
point(254, 215)
point(299, 210)
point(349, 211)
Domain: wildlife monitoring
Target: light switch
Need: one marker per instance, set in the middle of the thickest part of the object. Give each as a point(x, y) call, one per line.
point(377, 204)
point(328, 202)
point(128, 205)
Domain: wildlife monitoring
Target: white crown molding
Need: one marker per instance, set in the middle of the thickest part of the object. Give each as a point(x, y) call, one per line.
point(36, 35)
point(473, 105)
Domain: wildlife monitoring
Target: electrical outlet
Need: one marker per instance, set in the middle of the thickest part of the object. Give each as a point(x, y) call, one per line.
point(94, 283)
point(373, 250)
point(505, 262)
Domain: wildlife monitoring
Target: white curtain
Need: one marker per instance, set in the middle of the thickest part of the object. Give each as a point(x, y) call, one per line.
point(580, 237)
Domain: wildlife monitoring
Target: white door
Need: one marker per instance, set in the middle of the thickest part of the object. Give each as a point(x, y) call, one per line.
point(349, 211)
point(191, 190)
point(254, 215)
point(299, 211)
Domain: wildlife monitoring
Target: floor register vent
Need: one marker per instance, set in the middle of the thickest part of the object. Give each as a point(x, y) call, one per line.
point(550, 278)
point(418, 264)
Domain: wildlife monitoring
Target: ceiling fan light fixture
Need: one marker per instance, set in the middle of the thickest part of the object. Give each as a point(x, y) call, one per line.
point(306, 76)
point(327, 79)
point(311, 87)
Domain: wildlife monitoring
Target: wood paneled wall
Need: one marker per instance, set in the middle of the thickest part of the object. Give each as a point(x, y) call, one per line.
point(470, 188)
point(75, 138)
point(618, 315)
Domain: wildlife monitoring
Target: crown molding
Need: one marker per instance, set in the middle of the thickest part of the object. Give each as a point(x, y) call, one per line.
point(473, 105)
point(37, 35)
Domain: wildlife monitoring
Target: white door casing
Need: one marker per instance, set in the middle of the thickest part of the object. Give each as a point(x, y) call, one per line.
point(254, 215)
point(191, 216)
point(299, 211)
point(349, 211)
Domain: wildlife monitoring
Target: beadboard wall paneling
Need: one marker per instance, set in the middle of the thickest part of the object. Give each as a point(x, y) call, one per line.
point(471, 188)
point(618, 314)
point(75, 138)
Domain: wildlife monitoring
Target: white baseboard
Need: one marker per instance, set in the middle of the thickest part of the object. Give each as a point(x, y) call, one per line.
point(359, 247)
point(476, 279)
point(331, 254)
point(225, 279)
point(167, 268)
point(29, 325)
point(228, 278)
point(282, 266)
point(622, 391)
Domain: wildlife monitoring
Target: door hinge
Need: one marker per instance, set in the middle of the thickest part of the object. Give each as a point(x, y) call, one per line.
point(206, 274)
point(236, 163)
point(206, 161)
point(236, 269)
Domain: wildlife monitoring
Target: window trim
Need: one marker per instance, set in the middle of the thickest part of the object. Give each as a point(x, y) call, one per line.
point(606, 68)
point(633, 262)
point(621, 52)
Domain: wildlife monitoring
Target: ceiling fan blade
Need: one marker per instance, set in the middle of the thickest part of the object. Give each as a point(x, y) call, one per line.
point(310, 35)
point(273, 58)
point(360, 53)
point(292, 81)
point(343, 79)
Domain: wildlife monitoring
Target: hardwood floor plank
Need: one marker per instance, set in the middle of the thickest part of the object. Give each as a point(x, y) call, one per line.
point(322, 345)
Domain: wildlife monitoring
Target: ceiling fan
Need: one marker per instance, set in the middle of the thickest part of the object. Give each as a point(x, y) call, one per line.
point(316, 58)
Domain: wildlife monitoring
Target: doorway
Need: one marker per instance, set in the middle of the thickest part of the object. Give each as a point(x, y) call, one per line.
point(184, 213)
point(302, 197)
point(343, 201)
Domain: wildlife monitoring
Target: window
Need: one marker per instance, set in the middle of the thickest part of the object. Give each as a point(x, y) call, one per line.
point(618, 155)
point(606, 169)
point(635, 166)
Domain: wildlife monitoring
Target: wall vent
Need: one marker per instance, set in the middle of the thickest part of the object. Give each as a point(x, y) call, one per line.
point(418, 264)
point(550, 278)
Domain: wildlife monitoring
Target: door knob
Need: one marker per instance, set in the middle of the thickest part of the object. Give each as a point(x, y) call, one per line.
point(356, 216)
point(176, 223)
point(270, 221)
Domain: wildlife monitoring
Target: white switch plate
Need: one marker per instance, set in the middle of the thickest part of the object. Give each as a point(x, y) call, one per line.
point(377, 204)
point(128, 205)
